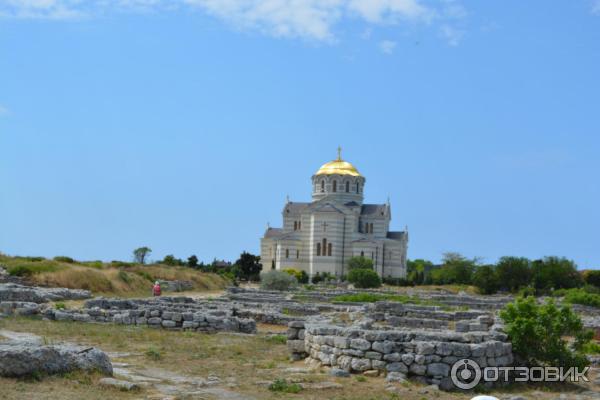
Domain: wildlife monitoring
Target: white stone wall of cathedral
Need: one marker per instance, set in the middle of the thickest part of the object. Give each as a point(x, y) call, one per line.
point(340, 193)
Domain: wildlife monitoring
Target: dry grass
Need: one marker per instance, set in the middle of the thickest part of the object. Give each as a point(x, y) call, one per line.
point(105, 278)
point(125, 282)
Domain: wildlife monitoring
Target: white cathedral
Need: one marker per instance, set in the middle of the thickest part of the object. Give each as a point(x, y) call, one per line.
point(321, 236)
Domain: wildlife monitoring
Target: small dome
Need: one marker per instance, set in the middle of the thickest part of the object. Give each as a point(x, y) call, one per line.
point(338, 167)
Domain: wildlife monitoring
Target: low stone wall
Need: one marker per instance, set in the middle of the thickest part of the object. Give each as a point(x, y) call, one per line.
point(159, 317)
point(426, 355)
point(19, 308)
point(34, 294)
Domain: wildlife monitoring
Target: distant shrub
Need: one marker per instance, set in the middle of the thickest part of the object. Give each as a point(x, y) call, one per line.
point(537, 331)
point(93, 264)
point(32, 268)
point(364, 278)
point(32, 259)
point(153, 354)
point(124, 276)
point(281, 385)
point(592, 277)
point(64, 259)
point(277, 280)
point(277, 339)
point(144, 275)
point(317, 278)
point(398, 281)
point(120, 264)
point(360, 262)
point(485, 279)
point(580, 296)
point(301, 276)
point(60, 306)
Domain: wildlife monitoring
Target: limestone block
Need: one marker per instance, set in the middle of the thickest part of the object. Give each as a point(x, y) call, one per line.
point(438, 369)
point(397, 367)
point(360, 344)
point(360, 364)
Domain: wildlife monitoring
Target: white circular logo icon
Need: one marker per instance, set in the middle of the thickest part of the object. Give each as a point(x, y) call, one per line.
point(465, 374)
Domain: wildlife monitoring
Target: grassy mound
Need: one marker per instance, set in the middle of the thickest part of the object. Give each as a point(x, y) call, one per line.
point(121, 279)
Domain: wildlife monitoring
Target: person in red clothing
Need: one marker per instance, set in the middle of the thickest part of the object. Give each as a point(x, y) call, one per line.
point(156, 289)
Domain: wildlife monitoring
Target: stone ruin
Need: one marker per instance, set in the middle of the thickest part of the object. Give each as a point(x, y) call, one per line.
point(398, 340)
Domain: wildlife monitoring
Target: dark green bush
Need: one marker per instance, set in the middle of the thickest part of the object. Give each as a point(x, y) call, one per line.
point(64, 259)
point(581, 296)
point(485, 279)
point(364, 278)
point(592, 278)
point(537, 331)
point(360, 262)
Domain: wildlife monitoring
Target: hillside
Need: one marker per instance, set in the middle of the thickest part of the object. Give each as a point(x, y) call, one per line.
point(108, 279)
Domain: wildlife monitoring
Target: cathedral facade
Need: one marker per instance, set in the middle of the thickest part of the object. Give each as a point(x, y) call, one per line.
point(322, 235)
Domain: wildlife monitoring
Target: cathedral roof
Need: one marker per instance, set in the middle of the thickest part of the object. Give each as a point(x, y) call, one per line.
point(338, 167)
point(294, 207)
point(396, 235)
point(372, 209)
point(273, 232)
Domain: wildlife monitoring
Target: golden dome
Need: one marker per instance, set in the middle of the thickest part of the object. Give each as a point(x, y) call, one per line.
point(338, 167)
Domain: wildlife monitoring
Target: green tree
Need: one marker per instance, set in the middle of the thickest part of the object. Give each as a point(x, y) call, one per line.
point(249, 266)
point(360, 262)
point(537, 331)
point(417, 269)
point(192, 261)
point(141, 254)
point(170, 260)
point(592, 278)
point(457, 268)
point(513, 273)
point(486, 279)
point(364, 278)
point(555, 273)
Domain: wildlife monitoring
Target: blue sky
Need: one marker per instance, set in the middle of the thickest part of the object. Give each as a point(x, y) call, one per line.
point(183, 124)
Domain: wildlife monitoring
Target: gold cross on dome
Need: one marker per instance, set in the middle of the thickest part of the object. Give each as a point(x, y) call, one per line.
point(339, 153)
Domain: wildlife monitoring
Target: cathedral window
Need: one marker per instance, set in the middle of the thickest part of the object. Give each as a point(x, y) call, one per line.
point(318, 249)
point(299, 225)
point(322, 186)
point(335, 186)
point(347, 186)
point(287, 253)
point(324, 246)
point(295, 225)
point(356, 187)
point(362, 253)
point(297, 254)
point(329, 249)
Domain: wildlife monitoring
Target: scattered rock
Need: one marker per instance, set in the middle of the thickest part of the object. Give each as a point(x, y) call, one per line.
point(340, 373)
point(24, 359)
point(372, 373)
point(119, 384)
point(395, 377)
point(34, 294)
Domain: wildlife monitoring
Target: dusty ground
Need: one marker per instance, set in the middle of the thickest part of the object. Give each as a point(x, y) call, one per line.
point(188, 365)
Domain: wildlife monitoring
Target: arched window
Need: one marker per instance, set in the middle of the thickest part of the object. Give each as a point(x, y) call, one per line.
point(356, 187)
point(297, 254)
point(347, 186)
point(287, 253)
point(272, 264)
point(318, 249)
point(299, 225)
point(329, 249)
point(335, 186)
point(362, 253)
point(322, 186)
point(324, 246)
point(295, 225)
